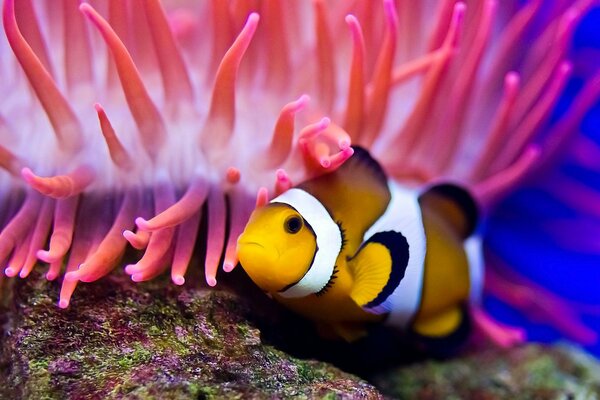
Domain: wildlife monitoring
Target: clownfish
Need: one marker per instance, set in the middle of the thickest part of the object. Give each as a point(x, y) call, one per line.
point(352, 248)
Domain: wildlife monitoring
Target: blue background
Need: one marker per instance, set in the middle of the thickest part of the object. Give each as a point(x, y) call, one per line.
point(516, 230)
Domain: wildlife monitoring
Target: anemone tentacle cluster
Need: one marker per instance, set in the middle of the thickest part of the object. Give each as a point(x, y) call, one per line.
point(128, 122)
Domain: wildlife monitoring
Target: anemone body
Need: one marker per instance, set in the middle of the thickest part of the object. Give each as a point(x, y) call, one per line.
point(126, 123)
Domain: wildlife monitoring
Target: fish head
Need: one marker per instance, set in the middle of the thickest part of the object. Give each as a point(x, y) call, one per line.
point(277, 247)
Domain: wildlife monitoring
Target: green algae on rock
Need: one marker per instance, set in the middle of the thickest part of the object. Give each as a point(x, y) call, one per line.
point(528, 372)
point(121, 340)
point(161, 341)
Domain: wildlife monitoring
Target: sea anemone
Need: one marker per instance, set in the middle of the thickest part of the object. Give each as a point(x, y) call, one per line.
point(128, 122)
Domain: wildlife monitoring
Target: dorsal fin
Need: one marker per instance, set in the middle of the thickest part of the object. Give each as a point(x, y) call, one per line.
point(355, 195)
point(456, 203)
point(362, 162)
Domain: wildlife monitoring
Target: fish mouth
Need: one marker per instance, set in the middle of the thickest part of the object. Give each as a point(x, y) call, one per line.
point(250, 243)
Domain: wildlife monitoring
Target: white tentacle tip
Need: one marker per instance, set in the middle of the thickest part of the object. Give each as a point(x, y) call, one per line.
point(51, 276)
point(130, 269)
point(211, 281)
point(71, 276)
point(228, 267)
point(142, 224)
point(178, 279)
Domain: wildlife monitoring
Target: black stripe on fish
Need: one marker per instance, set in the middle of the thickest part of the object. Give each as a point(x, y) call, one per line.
point(463, 200)
point(330, 282)
point(397, 245)
point(343, 232)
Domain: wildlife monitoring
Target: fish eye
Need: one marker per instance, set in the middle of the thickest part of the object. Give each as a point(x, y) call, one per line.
point(293, 224)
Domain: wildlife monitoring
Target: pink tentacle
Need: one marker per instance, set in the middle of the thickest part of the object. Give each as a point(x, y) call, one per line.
point(491, 189)
point(68, 287)
point(443, 19)
point(333, 162)
point(502, 335)
point(262, 197)
point(410, 69)
point(223, 33)
point(16, 262)
point(62, 118)
point(355, 104)
point(143, 109)
point(188, 205)
point(537, 116)
point(138, 240)
point(325, 60)
point(40, 234)
point(19, 225)
point(61, 186)
point(87, 237)
point(546, 69)
point(282, 181)
point(414, 126)
point(561, 133)
point(277, 46)
point(10, 162)
point(160, 241)
point(117, 151)
point(184, 248)
point(154, 267)
point(461, 92)
point(62, 235)
point(112, 247)
point(221, 116)
point(77, 47)
point(496, 136)
point(240, 212)
point(54, 270)
point(311, 131)
point(283, 134)
point(233, 175)
point(142, 49)
point(176, 80)
point(382, 78)
point(117, 17)
point(538, 303)
point(30, 28)
point(510, 38)
point(216, 234)
point(325, 145)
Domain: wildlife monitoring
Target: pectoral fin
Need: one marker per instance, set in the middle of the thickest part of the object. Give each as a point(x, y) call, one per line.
point(378, 268)
point(372, 267)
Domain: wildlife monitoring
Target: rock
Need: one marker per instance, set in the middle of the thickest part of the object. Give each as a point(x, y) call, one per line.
point(528, 372)
point(158, 340)
point(155, 340)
